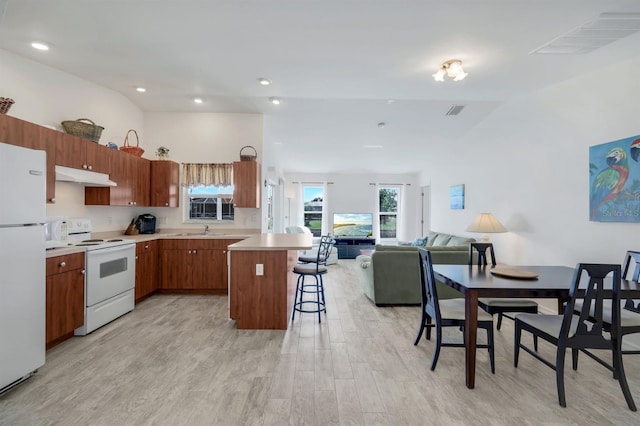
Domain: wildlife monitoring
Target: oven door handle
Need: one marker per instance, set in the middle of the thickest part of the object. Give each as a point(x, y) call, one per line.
point(111, 249)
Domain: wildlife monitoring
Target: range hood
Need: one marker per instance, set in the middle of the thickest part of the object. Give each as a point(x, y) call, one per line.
point(83, 177)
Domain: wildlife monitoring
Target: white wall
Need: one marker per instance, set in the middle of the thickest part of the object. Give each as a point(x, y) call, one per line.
point(528, 164)
point(352, 193)
point(48, 96)
point(204, 138)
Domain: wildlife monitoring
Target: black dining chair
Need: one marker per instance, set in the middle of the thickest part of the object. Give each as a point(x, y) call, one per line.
point(583, 331)
point(500, 306)
point(445, 313)
point(630, 312)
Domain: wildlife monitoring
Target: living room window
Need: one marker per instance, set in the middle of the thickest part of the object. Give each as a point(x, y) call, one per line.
point(388, 210)
point(313, 201)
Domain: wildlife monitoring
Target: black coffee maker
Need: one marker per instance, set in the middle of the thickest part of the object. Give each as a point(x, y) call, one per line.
point(146, 223)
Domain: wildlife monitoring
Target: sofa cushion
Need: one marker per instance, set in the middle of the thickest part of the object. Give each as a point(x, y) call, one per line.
point(441, 240)
point(459, 241)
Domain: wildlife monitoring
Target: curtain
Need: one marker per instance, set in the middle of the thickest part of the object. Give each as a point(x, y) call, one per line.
point(216, 174)
point(326, 198)
point(402, 214)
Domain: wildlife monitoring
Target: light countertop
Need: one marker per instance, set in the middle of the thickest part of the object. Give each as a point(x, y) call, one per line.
point(268, 242)
point(163, 235)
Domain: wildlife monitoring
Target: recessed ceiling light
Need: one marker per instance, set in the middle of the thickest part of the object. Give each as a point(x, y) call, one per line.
point(264, 81)
point(274, 101)
point(141, 89)
point(198, 100)
point(372, 146)
point(381, 125)
point(40, 45)
point(390, 101)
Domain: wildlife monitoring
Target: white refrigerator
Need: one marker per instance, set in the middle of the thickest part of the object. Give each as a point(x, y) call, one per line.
point(22, 263)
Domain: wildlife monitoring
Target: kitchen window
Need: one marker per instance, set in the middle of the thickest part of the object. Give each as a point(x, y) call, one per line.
point(207, 203)
point(208, 191)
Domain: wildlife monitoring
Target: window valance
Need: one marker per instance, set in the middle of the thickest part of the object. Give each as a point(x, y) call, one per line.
point(216, 174)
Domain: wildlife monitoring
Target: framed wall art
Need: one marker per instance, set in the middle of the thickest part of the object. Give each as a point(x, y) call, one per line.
point(456, 197)
point(614, 181)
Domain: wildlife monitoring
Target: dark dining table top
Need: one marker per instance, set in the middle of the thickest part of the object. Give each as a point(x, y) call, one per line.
point(552, 281)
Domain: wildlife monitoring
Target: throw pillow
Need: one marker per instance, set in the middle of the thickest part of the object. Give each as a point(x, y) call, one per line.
point(419, 242)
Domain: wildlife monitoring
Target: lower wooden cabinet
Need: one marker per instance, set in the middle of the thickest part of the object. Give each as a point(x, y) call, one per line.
point(65, 297)
point(194, 266)
point(146, 269)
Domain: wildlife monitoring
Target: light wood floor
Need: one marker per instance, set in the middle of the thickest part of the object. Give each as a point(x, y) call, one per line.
point(177, 360)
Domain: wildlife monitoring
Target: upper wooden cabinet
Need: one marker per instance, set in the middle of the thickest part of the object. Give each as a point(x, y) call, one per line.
point(131, 173)
point(28, 135)
point(165, 184)
point(246, 184)
point(79, 153)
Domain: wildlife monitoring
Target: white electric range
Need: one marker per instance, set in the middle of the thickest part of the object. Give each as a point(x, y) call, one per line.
point(109, 275)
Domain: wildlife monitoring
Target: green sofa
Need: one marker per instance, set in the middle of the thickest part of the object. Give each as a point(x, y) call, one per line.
point(391, 275)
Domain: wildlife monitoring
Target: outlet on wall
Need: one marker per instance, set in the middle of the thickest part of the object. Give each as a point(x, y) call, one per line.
point(259, 269)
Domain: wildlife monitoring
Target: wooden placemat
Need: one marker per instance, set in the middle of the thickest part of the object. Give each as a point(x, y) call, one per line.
point(514, 273)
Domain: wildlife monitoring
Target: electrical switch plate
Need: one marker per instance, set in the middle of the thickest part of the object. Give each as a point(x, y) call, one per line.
point(259, 269)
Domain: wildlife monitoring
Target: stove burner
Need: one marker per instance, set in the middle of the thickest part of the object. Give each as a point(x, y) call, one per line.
point(92, 241)
point(89, 243)
point(115, 241)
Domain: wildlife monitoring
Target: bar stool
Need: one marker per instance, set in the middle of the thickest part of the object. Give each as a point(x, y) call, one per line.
point(315, 270)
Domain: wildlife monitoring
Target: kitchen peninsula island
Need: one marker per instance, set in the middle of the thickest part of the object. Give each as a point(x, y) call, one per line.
point(261, 281)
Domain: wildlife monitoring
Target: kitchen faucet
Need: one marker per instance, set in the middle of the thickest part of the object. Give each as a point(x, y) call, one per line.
point(206, 229)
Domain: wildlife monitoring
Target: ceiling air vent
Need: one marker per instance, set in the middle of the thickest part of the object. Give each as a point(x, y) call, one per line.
point(609, 27)
point(455, 110)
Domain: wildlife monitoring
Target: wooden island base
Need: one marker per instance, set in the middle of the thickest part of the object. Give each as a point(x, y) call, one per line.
point(264, 301)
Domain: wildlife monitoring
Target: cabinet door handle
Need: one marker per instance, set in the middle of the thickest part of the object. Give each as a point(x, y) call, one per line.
point(63, 264)
point(84, 166)
point(146, 247)
point(189, 251)
point(136, 257)
point(90, 167)
point(166, 204)
point(53, 200)
point(195, 251)
point(82, 272)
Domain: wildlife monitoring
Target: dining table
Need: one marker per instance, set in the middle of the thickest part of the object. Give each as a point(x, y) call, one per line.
point(483, 281)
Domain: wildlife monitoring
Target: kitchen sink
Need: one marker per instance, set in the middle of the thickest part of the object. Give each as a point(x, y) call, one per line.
point(200, 234)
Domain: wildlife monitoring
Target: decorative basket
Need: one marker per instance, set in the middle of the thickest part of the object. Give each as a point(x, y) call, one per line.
point(244, 157)
point(133, 150)
point(5, 105)
point(89, 130)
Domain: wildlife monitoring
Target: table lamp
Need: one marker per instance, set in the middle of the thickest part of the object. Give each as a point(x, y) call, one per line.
point(486, 223)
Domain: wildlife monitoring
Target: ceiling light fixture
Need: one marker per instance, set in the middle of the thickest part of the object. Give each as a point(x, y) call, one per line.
point(198, 100)
point(274, 101)
point(381, 125)
point(264, 81)
point(452, 68)
point(40, 45)
point(141, 89)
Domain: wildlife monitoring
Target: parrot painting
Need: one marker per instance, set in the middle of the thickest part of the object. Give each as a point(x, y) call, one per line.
point(634, 150)
point(609, 182)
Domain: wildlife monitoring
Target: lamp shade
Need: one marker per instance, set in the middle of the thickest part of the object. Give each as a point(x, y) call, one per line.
point(486, 223)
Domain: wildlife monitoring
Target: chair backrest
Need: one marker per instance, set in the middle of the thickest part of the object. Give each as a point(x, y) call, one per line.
point(428, 289)
point(588, 333)
point(324, 249)
point(632, 272)
point(481, 248)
